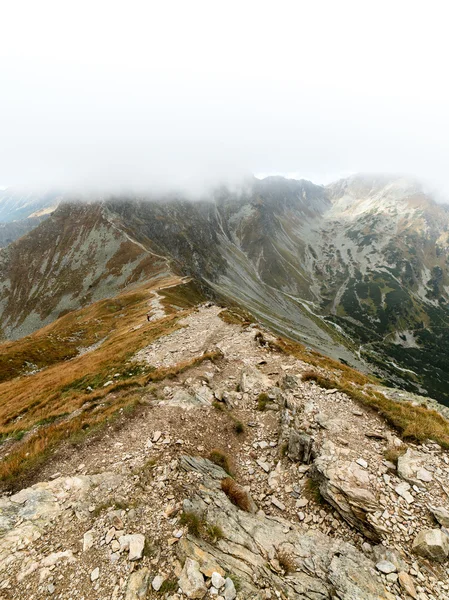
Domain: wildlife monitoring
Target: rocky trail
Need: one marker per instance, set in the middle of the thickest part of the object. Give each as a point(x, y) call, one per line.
point(315, 511)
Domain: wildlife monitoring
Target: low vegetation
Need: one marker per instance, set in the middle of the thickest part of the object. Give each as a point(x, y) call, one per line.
point(72, 396)
point(393, 453)
point(286, 562)
point(199, 527)
point(312, 492)
point(236, 316)
point(221, 459)
point(236, 494)
point(262, 400)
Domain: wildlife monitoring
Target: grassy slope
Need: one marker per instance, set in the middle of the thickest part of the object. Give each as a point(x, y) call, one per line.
point(35, 408)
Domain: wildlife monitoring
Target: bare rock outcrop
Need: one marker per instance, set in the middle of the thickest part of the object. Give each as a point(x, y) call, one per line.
point(251, 545)
point(346, 486)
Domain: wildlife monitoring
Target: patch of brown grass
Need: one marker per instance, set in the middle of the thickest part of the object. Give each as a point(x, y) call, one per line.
point(35, 410)
point(221, 459)
point(311, 491)
point(236, 316)
point(262, 400)
point(287, 562)
point(236, 494)
point(199, 527)
point(393, 453)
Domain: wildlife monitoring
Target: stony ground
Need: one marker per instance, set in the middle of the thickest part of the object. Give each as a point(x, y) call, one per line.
point(329, 516)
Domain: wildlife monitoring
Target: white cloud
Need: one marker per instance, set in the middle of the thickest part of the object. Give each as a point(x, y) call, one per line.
point(146, 93)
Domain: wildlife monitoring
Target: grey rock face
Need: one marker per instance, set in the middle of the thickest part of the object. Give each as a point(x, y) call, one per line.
point(345, 486)
point(325, 565)
point(432, 544)
point(138, 584)
point(300, 447)
point(441, 514)
point(191, 580)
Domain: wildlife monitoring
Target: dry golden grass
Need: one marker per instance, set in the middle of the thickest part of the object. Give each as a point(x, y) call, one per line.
point(61, 388)
point(221, 459)
point(412, 422)
point(316, 359)
point(102, 407)
point(35, 410)
point(236, 494)
point(392, 453)
point(287, 562)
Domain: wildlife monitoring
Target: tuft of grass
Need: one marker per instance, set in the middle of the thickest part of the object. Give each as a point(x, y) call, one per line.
point(236, 494)
point(169, 585)
point(219, 405)
point(236, 316)
point(311, 491)
point(236, 581)
point(393, 453)
point(287, 562)
point(239, 428)
point(283, 450)
point(192, 521)
point(221, 459)
point(198, 527)
point(262, 401)
point(417, 423)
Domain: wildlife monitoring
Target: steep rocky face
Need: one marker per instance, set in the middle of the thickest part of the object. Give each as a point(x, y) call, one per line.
point(74, 258)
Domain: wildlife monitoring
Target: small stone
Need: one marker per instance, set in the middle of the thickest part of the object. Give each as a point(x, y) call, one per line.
point(432, 544)
point(277, 503)
point(229, 592)
point(88, 540)
point(264, 465)
point(156, 436)
point(362, 463)
point(402, 490)
point(301, 503)
point(138, 584)
point(109, 535)
point(134, 543)
point(95, 574)
point(385, 566)
point(157, 582)
point(217, 580)
point(424, 475)
point(191, 580)
point(407, 584)
point(441, 514)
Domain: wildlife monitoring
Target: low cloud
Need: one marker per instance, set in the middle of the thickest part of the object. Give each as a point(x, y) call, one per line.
point(183, 97)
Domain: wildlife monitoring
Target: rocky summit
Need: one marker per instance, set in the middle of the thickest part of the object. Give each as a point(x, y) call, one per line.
point(235, 466)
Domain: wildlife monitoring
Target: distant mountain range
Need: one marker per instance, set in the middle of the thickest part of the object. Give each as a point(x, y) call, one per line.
point(358, 269)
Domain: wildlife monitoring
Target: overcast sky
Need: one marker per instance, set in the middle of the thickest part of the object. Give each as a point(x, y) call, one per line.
point(148, 93)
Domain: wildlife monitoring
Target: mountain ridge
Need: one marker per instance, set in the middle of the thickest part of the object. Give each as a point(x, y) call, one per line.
point(358, 269)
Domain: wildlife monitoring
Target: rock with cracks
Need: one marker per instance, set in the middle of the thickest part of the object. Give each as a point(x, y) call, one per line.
point(432, 544)
point(345, 486)
point(325, 567)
